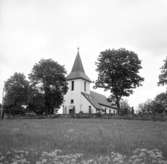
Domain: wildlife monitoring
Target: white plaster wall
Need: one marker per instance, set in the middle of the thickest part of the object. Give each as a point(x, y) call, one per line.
point(85, 105)
point(88, 87)
point(109, 110)
point(80, 102)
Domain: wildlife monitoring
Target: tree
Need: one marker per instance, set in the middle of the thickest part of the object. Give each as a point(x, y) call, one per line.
point(118, 72)
point(162, 99)
point(48, 78)
point(146, 107)
point(163, 75)
point(16, 92)
point(36, 101)
point(125, 107)
point(157, 107)
point(152, 107)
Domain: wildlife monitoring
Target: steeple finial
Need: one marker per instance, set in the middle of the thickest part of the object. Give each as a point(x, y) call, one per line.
point(77, 50)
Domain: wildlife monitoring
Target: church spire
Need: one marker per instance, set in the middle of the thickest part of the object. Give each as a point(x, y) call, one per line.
point(77, 71)
point(77, 66)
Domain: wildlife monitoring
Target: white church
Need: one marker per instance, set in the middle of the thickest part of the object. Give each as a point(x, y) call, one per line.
point(79, 97)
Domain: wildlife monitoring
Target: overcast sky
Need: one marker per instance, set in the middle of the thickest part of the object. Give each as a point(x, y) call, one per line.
point(35, 29)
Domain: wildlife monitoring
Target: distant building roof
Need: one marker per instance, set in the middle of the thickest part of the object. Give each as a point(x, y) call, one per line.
point(77, 71)
point(98, 100)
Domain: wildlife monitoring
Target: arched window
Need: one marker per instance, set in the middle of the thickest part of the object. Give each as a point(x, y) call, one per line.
point(72, 101)
point(72, 85)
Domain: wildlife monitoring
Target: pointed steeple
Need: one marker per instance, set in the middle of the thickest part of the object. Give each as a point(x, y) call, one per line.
point(77, 71)
point(78, 67)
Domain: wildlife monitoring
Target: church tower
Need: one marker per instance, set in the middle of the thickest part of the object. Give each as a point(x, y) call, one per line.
point(78, 83)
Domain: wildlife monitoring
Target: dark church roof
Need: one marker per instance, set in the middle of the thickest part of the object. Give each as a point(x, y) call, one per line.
point(101, 99)
point(77, 71)
point(92, 100)
point(98, 100)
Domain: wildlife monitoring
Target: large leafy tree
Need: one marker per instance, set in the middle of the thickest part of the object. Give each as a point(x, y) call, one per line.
point(16, 91)
point(118, 72)
point(162, 99)
point(163, 74)
point(36, 101)
point(48, 78)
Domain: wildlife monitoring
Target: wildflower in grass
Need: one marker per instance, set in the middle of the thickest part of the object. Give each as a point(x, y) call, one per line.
point(44, 161)
point(8, 153)
point(136, 151)
point(104, 160)
point(2, 158)
point(142, 154)
point(139, 156)
point(117, 158)
point(90, 161)
point(137, 161)
point(44, 153)
point(73, 161)
point(145, 156)
point(17, 156)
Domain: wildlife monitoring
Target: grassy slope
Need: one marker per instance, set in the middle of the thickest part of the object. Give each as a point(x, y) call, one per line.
point(86, 136)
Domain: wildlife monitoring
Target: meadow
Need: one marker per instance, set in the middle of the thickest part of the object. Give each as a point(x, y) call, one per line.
point(82, 141)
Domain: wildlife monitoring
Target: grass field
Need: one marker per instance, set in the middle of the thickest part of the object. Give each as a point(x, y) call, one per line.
point(89, 138)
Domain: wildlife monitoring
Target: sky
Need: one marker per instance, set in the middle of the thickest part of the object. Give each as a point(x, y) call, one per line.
point(31, 30)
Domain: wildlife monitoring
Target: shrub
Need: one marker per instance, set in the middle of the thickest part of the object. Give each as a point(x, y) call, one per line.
point(14, 110)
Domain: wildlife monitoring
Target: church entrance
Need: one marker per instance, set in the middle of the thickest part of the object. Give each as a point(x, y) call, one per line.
point(72, 110)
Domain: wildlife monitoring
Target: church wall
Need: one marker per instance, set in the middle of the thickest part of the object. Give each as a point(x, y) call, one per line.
point(88, 87)
point(86, 105)
point(109, 110)
point(80, 102)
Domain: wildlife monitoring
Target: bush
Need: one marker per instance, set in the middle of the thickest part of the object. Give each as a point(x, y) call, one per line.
point(36, 104)
point(157, 107)
point(14, 110)
point(39, 110)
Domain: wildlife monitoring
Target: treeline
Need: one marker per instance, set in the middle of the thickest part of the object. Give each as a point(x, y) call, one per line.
point(156, 106)
point(159, 104)
point(41, 93)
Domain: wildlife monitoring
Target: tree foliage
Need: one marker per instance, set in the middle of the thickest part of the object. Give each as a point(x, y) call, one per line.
point(125, 107)
point(153, 106)
point(118, 72)
point(163, 74)
point(16, 92)
point(162, 99)
point(36, 102)
point(48, 80)
point(146, 107)
point(157, 107)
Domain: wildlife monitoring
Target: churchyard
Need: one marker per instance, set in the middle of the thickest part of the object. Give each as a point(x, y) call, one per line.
point(92, 141)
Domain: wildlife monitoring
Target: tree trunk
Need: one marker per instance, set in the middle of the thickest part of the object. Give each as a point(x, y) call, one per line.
point(46, 100)
point(118, 105)
point(46, 104)
point(2, 114)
